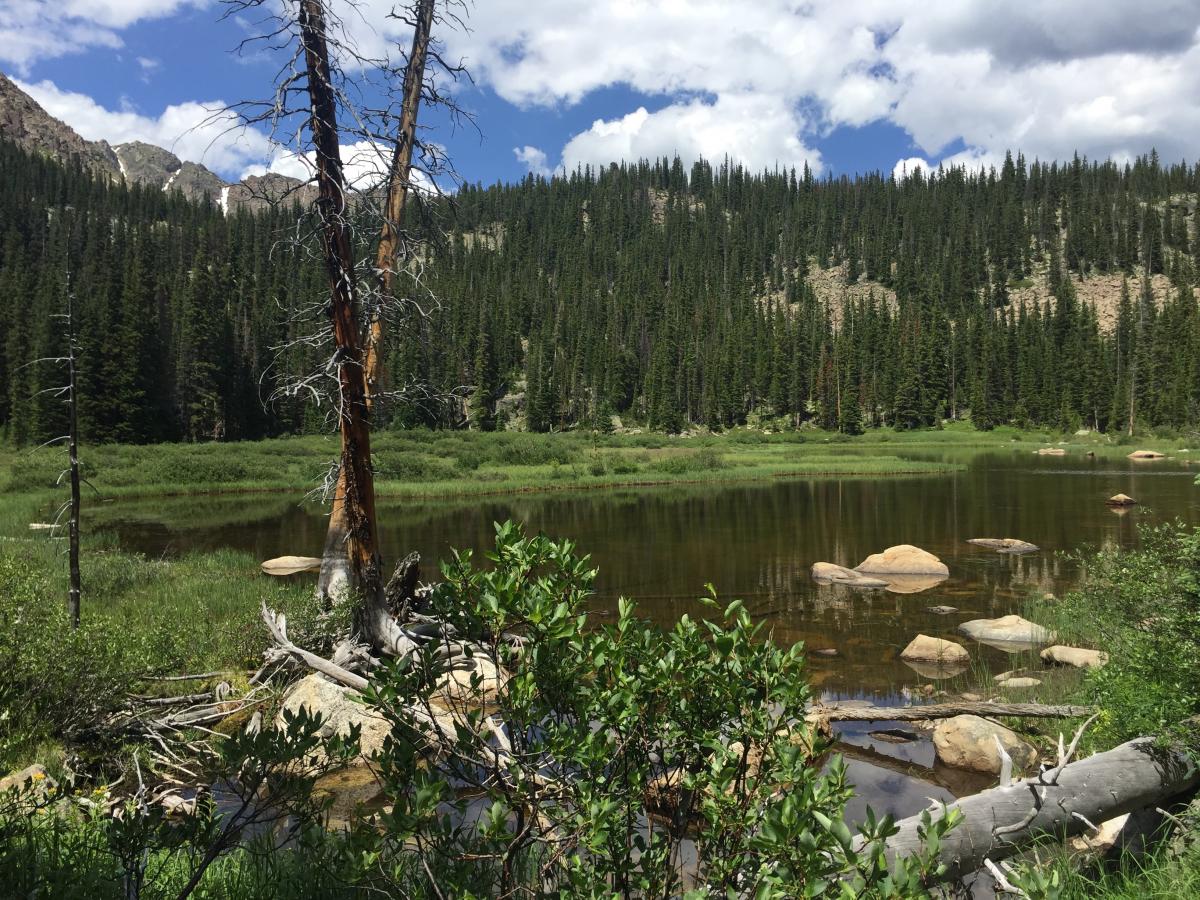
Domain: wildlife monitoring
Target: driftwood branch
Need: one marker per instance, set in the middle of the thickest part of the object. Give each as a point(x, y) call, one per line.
point(277, 625)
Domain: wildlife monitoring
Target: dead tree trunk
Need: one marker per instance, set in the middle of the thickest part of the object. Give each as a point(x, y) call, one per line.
point(351, 564)
point(335, 579)
point(76, 589)
point(1061, 802)
point(400, 173)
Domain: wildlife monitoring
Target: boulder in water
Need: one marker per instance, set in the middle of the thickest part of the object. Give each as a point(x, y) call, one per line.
point(969, 742)
point(291, 565)
point(903, 559)
point(924, 648)
point(1005, 545)
point(1120, 500)
point(1147, 454)
point(1051, 451)
point(828, 573)
point(1007, 629)
point(1078, 657)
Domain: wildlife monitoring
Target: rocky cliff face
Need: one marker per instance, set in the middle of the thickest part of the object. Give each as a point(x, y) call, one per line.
point(25, 123)
point(32, 128)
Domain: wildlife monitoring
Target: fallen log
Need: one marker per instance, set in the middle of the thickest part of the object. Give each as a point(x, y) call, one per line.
point(1062, 802)
point(943, 711)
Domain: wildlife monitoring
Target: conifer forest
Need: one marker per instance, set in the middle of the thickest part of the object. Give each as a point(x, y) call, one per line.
point(670, 297)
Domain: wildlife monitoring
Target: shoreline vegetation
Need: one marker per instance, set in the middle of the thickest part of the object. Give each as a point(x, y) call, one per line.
point(431, 465)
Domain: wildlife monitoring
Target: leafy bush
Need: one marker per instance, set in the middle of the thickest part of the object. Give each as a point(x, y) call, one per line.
point(586, 770)
point(59, 681)
point(1143, 606)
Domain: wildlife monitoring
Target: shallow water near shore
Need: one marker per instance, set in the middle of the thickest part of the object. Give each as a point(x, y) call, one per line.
point(756, 541)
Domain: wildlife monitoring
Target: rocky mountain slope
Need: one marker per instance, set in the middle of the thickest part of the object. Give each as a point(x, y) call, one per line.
point(26, 124)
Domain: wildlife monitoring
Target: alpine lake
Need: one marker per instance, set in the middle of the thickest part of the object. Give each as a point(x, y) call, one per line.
point(660, 546)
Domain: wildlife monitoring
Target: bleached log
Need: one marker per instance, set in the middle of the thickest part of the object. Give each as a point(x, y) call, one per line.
point(943, 711)
point(996, 823)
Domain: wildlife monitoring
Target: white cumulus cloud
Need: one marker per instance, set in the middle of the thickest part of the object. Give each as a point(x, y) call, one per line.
point(199, 132)
point(759, 131)
point(534, 159)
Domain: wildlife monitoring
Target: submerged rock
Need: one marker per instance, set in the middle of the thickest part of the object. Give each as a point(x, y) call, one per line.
point(1020, 683)
point(1051, 451)
point(894, 736)
point(1147, 454)
point(924, 648)
point(1005, 545)
point(1120, 500)
point(1078, 657)
point(903, 559)
point(942, 610)
point(937, 670)
point(913, 584)
point(828, 573)
point(1006, 629)
point(969, 742)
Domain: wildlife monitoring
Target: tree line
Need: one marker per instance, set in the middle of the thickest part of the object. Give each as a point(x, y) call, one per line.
point(669, 296)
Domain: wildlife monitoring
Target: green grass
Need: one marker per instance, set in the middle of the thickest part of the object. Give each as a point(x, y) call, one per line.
point(429, 464)
point(423, 464)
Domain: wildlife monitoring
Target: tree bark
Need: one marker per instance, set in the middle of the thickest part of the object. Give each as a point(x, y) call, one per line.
point(351, 565)
point(400, 173)
point(996, 823)
point(337, 578)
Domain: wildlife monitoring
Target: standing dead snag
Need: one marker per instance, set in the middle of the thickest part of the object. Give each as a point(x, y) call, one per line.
point(354, 565)
point(399, 174)
point(334, 579)
point(76, 588)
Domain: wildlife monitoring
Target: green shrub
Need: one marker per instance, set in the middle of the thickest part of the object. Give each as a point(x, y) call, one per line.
point(627, 721)
point(1143, 607)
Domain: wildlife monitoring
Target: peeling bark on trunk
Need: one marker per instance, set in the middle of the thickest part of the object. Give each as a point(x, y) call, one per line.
point(996, 823)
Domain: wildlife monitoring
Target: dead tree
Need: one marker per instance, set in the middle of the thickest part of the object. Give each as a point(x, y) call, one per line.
point(75, 590)
point(334, 577)
point(355, 561)
point(320, 106)
point(71, 507)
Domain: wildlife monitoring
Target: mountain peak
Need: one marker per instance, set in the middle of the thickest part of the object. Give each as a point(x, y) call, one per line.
point(26, 124)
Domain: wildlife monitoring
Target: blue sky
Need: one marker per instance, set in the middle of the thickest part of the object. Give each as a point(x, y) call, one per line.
point(845, 87)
